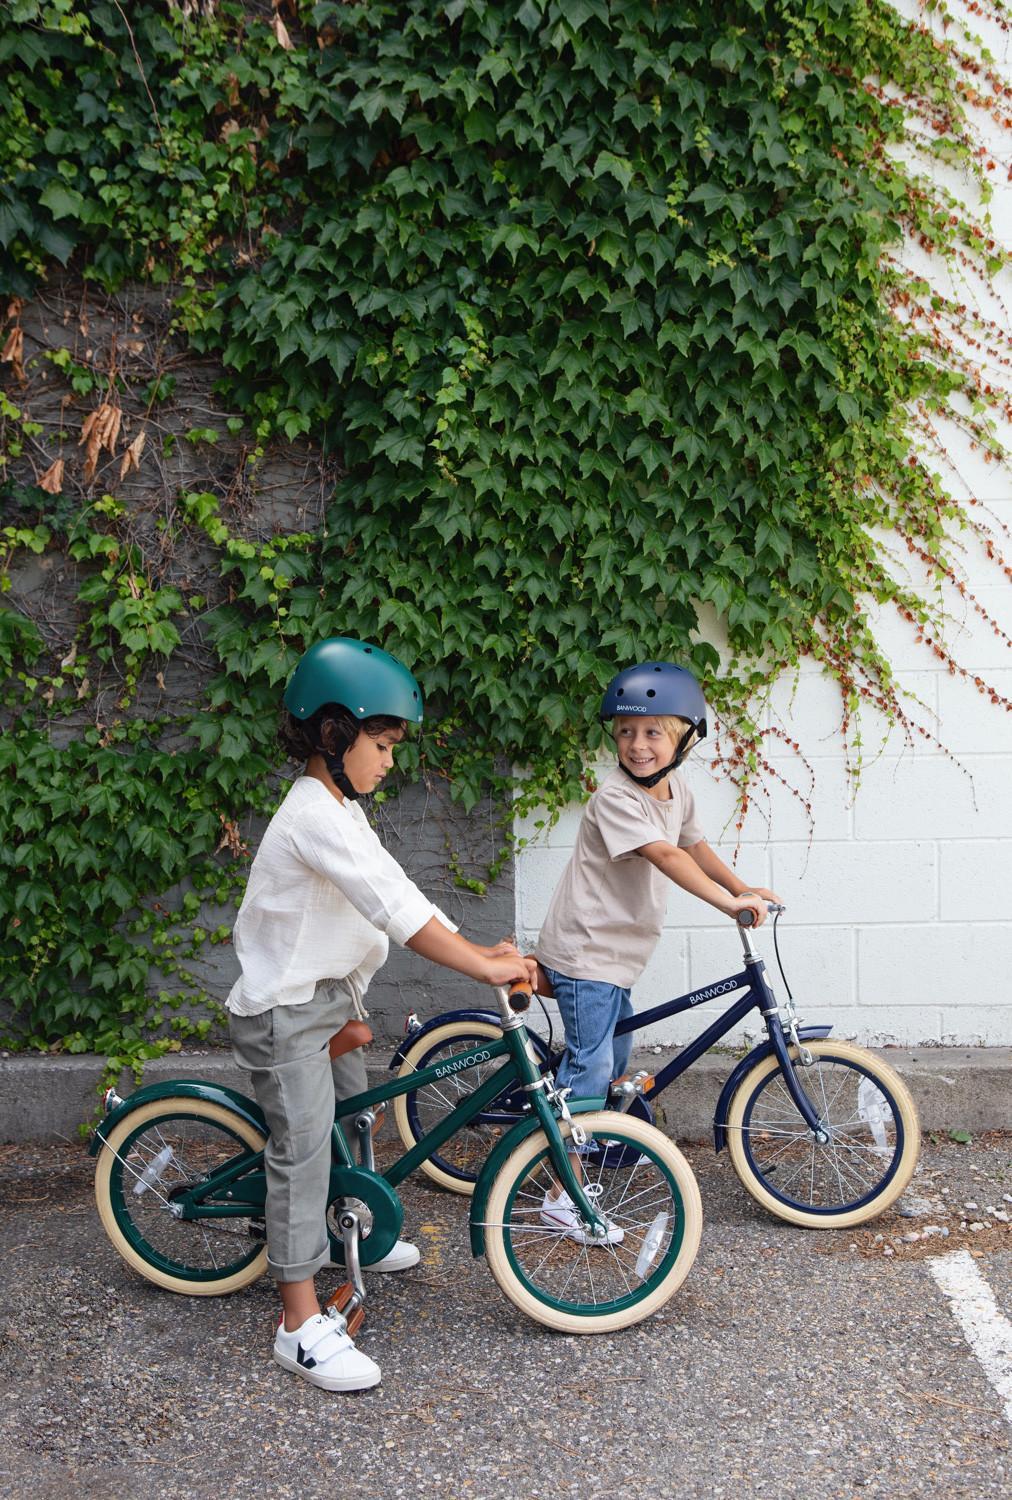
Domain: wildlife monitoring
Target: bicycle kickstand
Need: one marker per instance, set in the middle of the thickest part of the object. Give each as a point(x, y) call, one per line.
point(349, 1298)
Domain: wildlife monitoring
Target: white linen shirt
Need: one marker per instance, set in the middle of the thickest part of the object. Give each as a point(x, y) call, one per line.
point(323, 898)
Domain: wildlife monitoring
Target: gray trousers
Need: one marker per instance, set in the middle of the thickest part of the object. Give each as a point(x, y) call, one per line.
point(296, 1085)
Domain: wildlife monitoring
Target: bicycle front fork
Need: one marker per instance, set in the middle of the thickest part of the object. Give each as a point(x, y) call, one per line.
point(553, 1112)
point(780, 1041)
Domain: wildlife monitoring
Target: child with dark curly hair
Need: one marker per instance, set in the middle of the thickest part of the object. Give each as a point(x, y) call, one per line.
point(323, 899)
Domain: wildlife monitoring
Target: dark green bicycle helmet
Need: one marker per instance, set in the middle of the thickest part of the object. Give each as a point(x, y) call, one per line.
point(364, 679)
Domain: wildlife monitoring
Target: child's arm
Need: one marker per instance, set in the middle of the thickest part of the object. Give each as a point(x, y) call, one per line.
point(686, 870)
point(435, 941)
point(710, 862)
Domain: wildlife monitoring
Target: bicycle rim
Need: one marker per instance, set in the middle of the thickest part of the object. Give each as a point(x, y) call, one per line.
point(150, 1161)
point(872, 1143)
point(652, 1198)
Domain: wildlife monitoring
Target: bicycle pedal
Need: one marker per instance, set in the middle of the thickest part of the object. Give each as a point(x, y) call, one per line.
point(342, 1298)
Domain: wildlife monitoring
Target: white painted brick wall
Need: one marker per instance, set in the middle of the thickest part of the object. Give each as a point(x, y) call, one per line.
point(900, 898)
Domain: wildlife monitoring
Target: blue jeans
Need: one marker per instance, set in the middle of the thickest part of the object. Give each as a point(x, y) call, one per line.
point(594, 1055)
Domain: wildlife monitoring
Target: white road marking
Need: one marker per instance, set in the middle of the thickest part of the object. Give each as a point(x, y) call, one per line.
point(985, 1328)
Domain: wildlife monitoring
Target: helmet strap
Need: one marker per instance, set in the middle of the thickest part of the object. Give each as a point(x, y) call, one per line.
point(335, 765)
point(680, 754)
point(649, 781)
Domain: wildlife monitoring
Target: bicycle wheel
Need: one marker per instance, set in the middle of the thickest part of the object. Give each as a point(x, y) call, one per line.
point(652, 1198)
point(459, 1160)
point(874, 1137)
point(150, 1159)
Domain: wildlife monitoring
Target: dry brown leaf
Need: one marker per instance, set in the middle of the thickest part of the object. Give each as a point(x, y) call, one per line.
point(229, 128)
point(132, 457)
point(68, 661)
point(14, 307)
point(52, 479)
point(99, 430)
point(133, 346)
point(231, 838)
point(233, 91)
point(281, 33)
point(13, 352)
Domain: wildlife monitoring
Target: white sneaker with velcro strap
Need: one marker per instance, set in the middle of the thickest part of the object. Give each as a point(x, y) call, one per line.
point(561, 1213)
point(321, 1352)
point(402, 1257)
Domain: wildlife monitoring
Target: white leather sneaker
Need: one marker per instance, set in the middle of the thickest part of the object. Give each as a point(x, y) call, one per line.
point(561, 1214)
point(401, 1258)
point(321, 1352)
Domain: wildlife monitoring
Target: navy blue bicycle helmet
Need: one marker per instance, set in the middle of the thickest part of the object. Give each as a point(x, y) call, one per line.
point(661, 690)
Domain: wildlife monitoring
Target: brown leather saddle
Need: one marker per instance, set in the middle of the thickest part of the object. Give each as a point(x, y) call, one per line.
point(353, 1033)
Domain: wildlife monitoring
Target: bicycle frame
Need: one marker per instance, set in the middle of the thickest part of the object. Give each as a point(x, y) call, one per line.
point(758, 996)
point(241, 1182)
point(780, 1022)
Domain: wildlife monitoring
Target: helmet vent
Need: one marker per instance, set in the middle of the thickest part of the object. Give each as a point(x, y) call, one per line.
point(621, 692)
point(651, 692)
point(367, 650)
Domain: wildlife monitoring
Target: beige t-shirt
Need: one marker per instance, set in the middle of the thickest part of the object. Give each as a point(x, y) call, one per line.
point(608, 909)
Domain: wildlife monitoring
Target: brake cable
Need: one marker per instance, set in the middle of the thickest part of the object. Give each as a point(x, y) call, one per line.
point(776, 948)
point(548, 1020)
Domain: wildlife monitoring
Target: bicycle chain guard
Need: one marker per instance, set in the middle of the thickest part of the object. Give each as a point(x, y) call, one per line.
point(384, 1211)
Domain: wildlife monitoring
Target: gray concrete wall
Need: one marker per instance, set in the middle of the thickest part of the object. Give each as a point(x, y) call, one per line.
point(45, 1098)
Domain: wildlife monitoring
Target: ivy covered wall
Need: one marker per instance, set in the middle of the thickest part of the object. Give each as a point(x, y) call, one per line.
point(582, 317)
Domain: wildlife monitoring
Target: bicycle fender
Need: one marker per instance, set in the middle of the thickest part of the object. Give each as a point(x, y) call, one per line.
point(491, 1016)
point(805, 1034)
point(187, 1088)
point(489, 1172)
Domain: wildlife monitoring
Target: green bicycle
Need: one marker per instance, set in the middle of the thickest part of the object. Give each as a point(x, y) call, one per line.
point(180, 1188)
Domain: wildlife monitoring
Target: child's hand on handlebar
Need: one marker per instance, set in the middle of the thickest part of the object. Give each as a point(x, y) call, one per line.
point(753, 901)
point(509, 967)
point(506, 947)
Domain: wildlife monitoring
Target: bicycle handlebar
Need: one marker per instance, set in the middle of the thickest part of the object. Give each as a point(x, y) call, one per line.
point(746, 918)
point(520, 995)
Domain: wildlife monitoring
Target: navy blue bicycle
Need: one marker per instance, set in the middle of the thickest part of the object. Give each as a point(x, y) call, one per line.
point(821, 1132)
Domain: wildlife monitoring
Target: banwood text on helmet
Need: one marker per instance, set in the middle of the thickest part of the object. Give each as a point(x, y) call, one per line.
point(658, 689)
point(364, 679)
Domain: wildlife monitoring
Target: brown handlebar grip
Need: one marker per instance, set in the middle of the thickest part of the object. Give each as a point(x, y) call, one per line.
point(520, 995)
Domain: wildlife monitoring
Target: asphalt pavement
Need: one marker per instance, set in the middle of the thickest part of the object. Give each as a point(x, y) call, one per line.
point(791, 1363)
